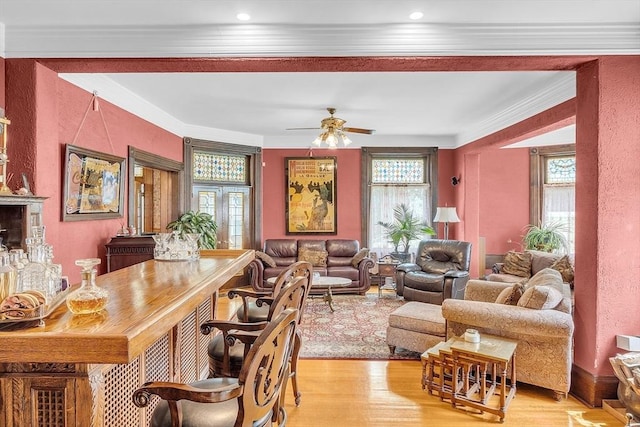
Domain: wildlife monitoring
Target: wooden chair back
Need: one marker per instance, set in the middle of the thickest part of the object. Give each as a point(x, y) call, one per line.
point(258, 388)
point(266, 370)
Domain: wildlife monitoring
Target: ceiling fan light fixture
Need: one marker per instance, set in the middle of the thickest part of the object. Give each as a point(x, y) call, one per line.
point(331, 139)
point(345, 139)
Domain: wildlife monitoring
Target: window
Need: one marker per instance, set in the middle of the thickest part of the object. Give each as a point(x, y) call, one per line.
point(553, 188)
point(394, 176)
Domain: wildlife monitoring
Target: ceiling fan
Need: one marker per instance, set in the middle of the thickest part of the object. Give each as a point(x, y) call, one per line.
point(333, 130)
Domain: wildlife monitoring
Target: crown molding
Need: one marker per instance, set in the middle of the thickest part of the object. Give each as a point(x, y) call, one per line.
point(540, 99)
point(415, 39)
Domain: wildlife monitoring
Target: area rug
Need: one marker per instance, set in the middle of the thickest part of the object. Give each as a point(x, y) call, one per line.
point(355, 330)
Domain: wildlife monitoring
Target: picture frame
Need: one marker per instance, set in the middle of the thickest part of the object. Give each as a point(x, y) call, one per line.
point(93, 185)
point(310, 201)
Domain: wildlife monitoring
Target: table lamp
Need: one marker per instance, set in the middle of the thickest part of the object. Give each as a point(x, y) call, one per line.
point(446, 214)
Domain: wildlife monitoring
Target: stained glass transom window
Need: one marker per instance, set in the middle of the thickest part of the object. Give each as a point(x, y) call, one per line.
point(397, 171)
point(219, 167)
point(561, 170)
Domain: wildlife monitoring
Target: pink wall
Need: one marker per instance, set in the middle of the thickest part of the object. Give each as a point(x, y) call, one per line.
point(348, 188)
point(607, 209)
point(503, 198)
point(47, 113)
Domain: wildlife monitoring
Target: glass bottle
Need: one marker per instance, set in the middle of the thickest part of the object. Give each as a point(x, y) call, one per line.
point(34, 273)
point(7, 276)
point(89, 298)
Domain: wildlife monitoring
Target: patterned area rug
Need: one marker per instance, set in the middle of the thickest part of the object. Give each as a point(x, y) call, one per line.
point(355, 330)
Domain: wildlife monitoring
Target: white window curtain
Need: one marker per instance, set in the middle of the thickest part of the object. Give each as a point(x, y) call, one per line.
point(559, 207)
point(383, 199)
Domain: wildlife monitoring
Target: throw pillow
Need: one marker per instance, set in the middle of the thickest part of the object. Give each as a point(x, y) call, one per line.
point(546, 277)
point(540, 298)
point(541, 260)
point(362, 254)
point(517, 263)
point(265, 259)
point(511, 295)
point(316, 258)
point(563, 265)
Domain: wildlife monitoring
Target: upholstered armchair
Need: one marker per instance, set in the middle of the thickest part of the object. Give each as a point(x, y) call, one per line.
point(544, 333)
point(441, 271)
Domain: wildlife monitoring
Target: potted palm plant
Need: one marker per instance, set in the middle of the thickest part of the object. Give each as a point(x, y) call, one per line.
point(404, 228)
point(197, 222)
point(546, 237)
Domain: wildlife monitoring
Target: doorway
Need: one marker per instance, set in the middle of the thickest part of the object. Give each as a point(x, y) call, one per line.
point(230, 206)
point(222, 181)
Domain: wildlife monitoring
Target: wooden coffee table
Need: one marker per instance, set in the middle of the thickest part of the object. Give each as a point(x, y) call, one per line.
point(324, 281)
point(470, 374)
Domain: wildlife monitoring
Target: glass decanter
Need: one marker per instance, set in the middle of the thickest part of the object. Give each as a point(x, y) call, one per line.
point(89, 298)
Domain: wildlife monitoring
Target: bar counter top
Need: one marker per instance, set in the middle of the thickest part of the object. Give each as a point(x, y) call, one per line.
point(145, 301)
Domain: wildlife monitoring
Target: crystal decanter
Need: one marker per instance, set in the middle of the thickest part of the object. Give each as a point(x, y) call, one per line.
point(89, 298)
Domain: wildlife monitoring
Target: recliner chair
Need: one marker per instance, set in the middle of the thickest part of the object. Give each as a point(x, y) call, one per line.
point(441, 271)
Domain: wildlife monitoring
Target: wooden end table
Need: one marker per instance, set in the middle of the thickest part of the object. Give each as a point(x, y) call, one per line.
point(386, 268)
point(469, 374)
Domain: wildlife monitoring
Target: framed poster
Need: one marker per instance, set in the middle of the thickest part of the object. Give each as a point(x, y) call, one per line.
point(93, 185)
point(311, 195)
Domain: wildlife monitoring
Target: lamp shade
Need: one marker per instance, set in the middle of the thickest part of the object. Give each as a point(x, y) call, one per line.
point(446, 214)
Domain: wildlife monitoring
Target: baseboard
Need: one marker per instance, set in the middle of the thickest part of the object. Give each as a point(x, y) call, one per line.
point(590, 389)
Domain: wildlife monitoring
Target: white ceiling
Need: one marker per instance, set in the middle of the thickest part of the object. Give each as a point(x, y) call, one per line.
point(447, 109)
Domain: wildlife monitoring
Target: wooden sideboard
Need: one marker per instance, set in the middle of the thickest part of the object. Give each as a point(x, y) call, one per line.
point(80, 371)
point(126, 251)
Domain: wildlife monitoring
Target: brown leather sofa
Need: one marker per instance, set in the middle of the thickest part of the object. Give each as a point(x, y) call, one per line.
point(338, 262)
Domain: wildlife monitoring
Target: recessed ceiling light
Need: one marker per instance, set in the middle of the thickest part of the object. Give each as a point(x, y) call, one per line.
point(243, 16)
point(416, 15)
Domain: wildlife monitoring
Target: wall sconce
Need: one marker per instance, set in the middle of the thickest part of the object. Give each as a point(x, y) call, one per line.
point(446, 215)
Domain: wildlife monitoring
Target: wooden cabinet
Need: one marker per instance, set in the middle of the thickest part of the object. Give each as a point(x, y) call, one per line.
point(17, 215)
point(125, 251)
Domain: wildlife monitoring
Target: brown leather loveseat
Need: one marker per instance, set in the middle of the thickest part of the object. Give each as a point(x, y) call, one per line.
point(332, 257)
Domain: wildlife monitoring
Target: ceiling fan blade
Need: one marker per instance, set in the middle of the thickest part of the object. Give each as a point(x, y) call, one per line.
point(359, 130)
point(303, 128)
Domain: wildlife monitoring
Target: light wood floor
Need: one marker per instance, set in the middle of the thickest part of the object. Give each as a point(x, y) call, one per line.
point(388, 393)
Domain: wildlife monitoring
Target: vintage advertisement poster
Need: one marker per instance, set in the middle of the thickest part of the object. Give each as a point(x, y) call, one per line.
point(311, 195)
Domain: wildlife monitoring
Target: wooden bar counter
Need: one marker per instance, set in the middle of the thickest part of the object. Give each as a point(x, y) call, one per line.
point(81, 370)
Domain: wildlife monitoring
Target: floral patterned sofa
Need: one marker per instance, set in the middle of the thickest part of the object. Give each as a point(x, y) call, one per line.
point(543, 329)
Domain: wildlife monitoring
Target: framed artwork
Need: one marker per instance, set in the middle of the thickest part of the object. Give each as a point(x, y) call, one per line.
point(310, 195)
point(93, 185)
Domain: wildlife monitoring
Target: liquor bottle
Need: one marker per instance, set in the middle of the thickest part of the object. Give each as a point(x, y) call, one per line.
point(89, 298)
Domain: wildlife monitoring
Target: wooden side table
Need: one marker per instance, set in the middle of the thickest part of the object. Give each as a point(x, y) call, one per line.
point(386, 268)
point(469, 374)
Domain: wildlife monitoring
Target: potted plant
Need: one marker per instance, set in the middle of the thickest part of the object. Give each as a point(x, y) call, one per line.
point(546, 237)
point(197, 222)
point(404, 228)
